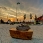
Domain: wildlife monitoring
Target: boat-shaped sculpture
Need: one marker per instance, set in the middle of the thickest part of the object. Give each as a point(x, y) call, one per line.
point(22, 31)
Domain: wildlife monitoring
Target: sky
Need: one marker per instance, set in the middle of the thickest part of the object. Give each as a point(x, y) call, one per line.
point(25, 6)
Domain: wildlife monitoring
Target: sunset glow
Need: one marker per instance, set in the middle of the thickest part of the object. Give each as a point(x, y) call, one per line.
point(8, 8)
point(12, 19)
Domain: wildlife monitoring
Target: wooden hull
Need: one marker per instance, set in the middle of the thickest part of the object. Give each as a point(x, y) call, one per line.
point(27, 35)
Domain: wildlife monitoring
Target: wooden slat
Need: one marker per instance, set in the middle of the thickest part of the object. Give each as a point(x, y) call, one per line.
point(21, 34)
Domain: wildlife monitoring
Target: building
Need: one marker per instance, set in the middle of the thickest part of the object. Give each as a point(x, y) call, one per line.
point(40, 19)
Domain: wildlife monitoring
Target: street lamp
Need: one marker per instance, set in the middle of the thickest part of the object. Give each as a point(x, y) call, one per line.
point(16, 10)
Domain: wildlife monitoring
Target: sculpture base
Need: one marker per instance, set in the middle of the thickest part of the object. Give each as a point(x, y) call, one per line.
point(27, 35)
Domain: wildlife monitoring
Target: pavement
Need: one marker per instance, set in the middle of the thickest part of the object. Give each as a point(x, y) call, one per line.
point(6, 38)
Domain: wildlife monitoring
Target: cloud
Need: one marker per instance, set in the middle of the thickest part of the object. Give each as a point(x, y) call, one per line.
point(26, 6)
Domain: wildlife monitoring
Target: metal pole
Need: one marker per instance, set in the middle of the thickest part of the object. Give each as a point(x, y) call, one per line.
point(7, 16)
point(16, 11)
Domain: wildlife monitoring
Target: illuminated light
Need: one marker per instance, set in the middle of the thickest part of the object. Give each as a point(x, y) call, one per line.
point(12, 19)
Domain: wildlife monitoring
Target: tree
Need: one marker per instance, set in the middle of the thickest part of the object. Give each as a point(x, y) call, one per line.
point(37, 22)
point(24, 16)
point(9, 21)
point(17, 19)
point(2, 21)
point(30, 16)
point(35, 17)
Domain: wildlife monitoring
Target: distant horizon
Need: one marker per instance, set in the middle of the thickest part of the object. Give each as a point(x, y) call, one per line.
point(14, 19)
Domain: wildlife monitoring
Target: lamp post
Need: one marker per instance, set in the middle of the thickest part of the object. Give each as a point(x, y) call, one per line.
point(16, 10)
point(7, 17)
